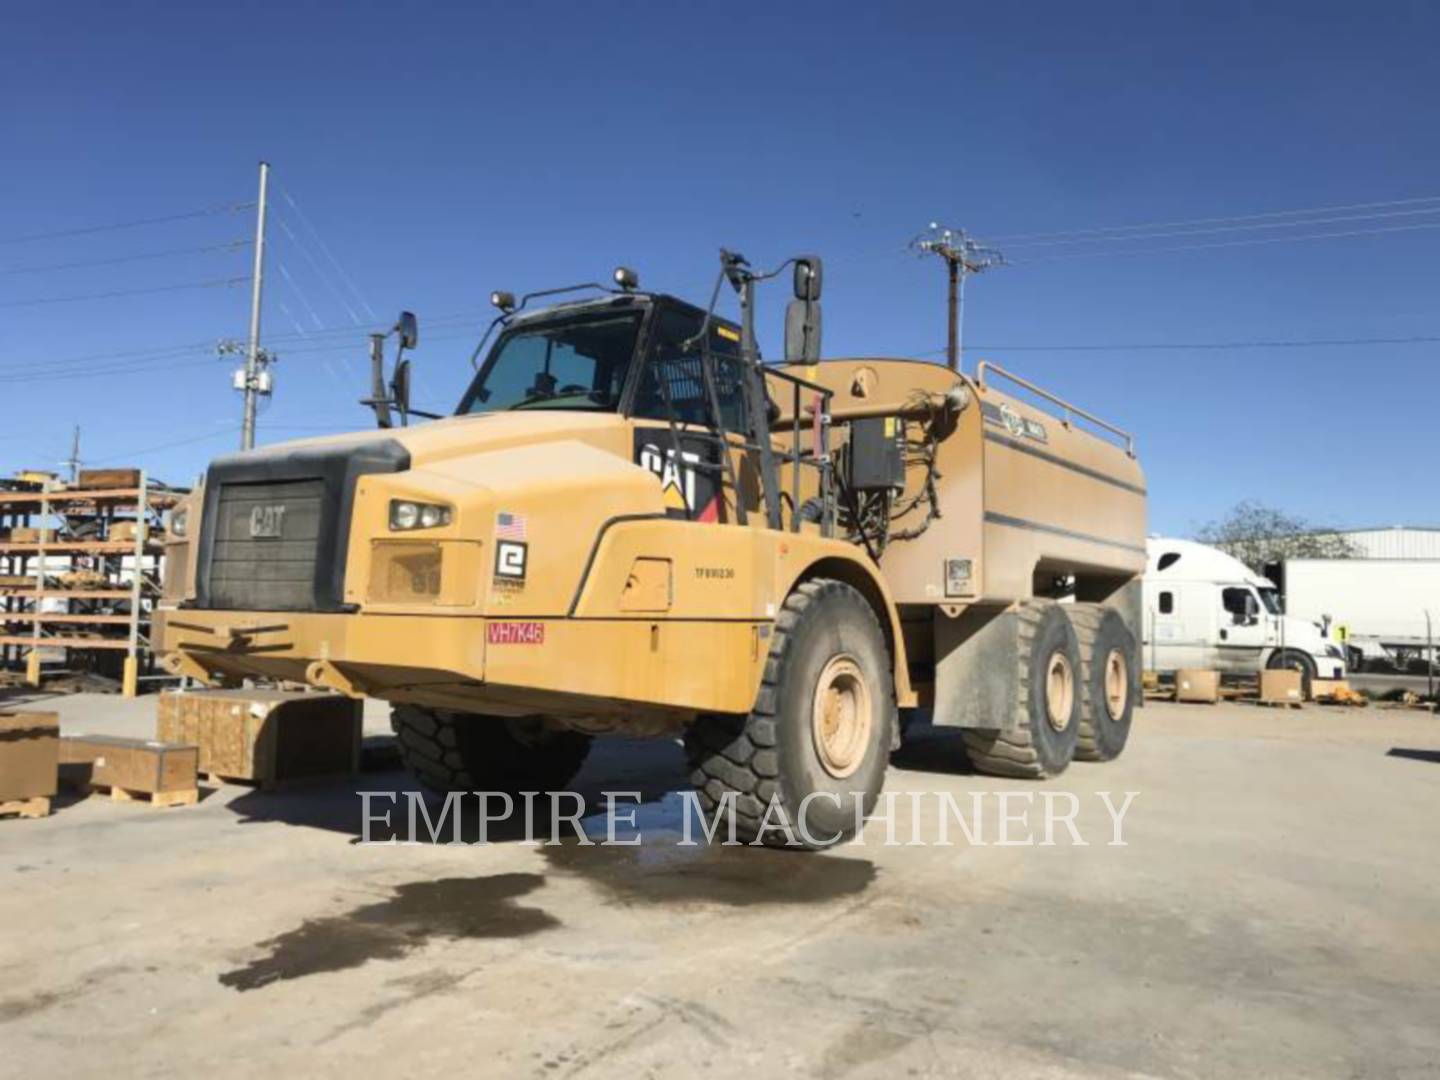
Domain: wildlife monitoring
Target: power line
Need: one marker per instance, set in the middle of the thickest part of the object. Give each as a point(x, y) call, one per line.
point(1016, 238)
point(42, 375)
point(325, 250)
point(233, 245)
point(1255, 226)
point(132, 454)
point(319, 272)
point(1180, 346)
point(1225, 244)
point(227, 208)
point(216, 283)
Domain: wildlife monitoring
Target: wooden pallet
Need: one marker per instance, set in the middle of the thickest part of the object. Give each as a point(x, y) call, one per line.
point(1281, 704)
point(39, 806)
point(186, 797)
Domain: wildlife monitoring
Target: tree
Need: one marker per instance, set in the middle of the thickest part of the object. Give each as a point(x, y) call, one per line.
point(1258, 535)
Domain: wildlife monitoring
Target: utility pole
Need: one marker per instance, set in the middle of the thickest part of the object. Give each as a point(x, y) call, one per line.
point(255, 358)
point(73, 461)
point(963, 256)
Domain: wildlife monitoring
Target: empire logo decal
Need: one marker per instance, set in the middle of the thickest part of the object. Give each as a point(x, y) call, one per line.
point(515, 633)
point(510, 559)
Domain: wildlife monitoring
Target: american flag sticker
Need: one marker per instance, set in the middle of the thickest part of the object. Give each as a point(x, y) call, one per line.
point(509, 526)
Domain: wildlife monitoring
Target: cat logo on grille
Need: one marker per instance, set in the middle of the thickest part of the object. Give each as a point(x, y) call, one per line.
point(267, 522)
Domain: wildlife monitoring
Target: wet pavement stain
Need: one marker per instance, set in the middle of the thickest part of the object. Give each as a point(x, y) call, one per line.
point(482, 907)
point(17, 1008)
point(735, 876)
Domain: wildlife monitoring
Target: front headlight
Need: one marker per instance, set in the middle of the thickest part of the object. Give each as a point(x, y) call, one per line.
point(179, 522)
point(1335, 652)
point(406, 515)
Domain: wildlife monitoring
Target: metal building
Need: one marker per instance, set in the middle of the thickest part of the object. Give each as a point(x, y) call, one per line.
point(1396, 542)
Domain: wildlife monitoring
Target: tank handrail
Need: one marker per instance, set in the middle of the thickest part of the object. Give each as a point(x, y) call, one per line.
point(988, 366)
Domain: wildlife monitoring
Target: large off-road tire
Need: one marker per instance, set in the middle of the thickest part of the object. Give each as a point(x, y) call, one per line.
point(823, 724)
point(1042, 742)
point(1293, 660)
point(1108, 681)
point(455, 751)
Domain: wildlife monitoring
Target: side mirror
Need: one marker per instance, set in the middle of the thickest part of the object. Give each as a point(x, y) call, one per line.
point(809, 276)
point(400, 389)
point(802, 315)
point(408, 327)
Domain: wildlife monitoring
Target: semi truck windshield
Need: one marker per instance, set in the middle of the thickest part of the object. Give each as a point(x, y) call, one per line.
point(574, 364)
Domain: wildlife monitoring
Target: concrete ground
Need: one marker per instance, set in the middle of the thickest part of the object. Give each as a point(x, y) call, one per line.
point(1275, 912)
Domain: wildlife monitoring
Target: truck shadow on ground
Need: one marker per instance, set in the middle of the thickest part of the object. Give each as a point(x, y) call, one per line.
point(930, 749)
point(1414, 754)
point(645, 769)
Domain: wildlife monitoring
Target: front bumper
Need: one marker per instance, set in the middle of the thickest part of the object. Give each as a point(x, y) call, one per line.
point(563, 667)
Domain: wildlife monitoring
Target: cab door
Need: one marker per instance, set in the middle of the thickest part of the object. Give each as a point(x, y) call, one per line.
point(670, 386)
point(1241, 629)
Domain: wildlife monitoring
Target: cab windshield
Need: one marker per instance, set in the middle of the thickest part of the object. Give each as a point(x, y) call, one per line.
point(1271, 599)
point(579, 363)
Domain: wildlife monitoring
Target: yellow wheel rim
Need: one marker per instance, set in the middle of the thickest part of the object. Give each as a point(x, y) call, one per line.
point(1059, 691)
point(842, 717)
point(1117, 684)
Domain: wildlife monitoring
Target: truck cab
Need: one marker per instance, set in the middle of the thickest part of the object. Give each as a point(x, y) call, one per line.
point(1205, 609)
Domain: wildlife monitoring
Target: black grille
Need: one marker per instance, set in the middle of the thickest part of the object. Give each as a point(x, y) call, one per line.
point(276, 524)
point(267, 539)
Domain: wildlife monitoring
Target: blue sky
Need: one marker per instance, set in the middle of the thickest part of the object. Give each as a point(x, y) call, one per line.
point(439, 151)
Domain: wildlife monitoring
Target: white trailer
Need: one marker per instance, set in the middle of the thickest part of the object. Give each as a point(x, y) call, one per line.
point(1205, 609)
point(1386, 610)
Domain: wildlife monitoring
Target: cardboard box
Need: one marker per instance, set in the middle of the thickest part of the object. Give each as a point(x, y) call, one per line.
point(24, 534)
point(155, 768)
point(1282, 687)
point(267, 736)
point(1198, 686)
point(29, 754)
point(109, 478)
point(1320, 689)
point(122, 531)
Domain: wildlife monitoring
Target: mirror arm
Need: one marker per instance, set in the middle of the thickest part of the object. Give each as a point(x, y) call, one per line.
point(379, 400)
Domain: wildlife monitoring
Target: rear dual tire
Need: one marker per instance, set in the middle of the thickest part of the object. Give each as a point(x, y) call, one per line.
point(1110, 681)
point(1041, 742)
point(1076, 693)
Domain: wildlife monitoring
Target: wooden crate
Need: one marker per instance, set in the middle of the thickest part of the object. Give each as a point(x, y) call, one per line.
point(161, 773)
point(29, 756)
point(265, 736)
point(109, 478)
point(1197, 686)
point(1282, 687)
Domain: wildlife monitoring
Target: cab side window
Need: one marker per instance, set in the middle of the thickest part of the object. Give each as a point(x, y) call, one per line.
point(673, 370)
point(1240, 603)
point(1167, 603)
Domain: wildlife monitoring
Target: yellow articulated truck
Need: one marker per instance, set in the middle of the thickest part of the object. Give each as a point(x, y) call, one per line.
point(633, 525)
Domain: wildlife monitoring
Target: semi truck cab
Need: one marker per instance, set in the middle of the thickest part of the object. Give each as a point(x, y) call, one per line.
point(1205, 609)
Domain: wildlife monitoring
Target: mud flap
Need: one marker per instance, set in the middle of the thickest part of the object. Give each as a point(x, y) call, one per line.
point(977, 660)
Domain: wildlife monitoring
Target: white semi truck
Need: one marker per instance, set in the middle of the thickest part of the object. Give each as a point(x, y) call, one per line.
point(1205, 609)
point(1387, 610)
